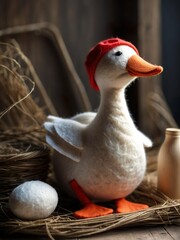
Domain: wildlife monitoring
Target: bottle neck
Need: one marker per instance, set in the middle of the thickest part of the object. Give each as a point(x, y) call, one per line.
point(172, 132)
point(172, 135)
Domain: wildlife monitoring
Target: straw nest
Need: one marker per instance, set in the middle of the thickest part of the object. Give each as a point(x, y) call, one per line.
point(20, 161)
point(23, 153)
point(61, 223)
point(24, 156)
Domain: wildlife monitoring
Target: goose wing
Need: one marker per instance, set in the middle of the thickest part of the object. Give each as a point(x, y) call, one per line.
point(85, 118)
point(145, 140)
point(65, 136)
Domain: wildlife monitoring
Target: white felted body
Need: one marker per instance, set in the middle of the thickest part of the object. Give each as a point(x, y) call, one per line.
point(33, 200)
point(113, 161)
point(103, 152)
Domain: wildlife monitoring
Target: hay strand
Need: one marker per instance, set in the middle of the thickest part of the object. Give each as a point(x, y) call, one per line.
point(162, 211)
point(20, 161)
point(62, 224)
point(17, 108)
point(23, 154)
point(160, 115)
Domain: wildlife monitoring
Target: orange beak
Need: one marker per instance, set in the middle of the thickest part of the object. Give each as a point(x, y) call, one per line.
point(137, 66)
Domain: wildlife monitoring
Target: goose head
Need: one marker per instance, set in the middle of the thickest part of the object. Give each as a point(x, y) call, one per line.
point(115, 63)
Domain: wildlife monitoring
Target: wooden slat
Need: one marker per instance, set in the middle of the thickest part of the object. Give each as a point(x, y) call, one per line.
point(141, 233)
point(150, 48)
point(173, 231)
point(135, 233)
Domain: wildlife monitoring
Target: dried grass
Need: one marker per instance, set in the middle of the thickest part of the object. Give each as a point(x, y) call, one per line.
point(61, 223)
point(17, 106)
point(21, 161)
point(23, 153)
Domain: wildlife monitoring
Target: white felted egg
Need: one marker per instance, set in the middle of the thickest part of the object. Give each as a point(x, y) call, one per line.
point(33, 200)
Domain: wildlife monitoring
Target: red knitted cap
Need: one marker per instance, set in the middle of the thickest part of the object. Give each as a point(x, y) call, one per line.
point(97, 52)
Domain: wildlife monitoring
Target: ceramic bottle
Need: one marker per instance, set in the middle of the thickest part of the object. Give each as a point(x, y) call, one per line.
point(169, 164)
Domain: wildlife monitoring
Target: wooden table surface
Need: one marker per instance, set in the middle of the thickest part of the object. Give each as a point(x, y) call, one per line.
point(139, 233)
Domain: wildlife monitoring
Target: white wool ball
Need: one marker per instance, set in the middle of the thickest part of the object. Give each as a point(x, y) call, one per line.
point(33, 200)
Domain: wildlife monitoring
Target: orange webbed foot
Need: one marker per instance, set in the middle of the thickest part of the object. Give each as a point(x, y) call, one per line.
point(92, 210)
point(124, 206)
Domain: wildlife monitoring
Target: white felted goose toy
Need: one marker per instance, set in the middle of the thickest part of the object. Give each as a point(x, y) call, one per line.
point(100, 156)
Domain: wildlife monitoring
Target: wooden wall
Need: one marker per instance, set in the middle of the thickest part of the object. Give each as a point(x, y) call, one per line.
point(170, 54)
point(149, 36)
point(82, 24)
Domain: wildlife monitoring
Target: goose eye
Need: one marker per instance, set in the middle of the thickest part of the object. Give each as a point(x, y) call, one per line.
point(118, 53)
